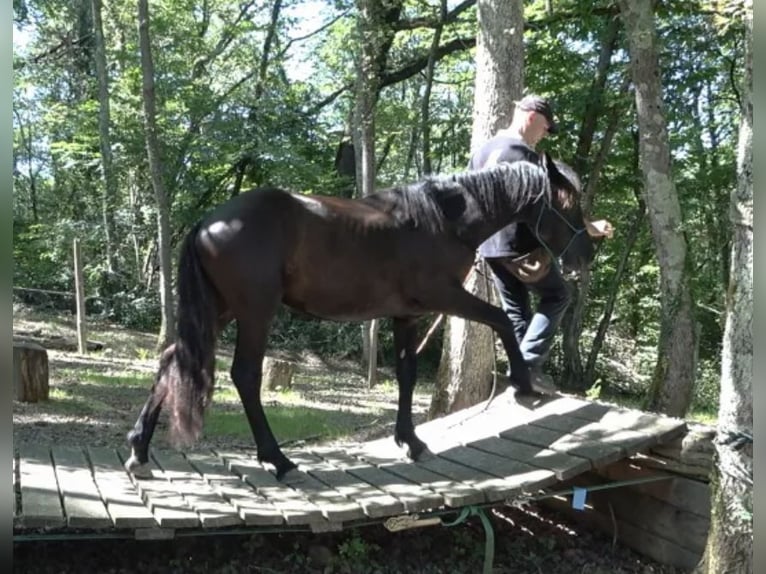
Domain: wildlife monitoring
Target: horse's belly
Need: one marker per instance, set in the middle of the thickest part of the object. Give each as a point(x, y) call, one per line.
point(345, 297)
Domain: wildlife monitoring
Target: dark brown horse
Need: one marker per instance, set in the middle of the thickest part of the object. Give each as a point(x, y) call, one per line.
point(399, 253)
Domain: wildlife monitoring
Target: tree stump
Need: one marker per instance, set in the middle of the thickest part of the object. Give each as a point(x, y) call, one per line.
point(30, 372)
point(277, 374)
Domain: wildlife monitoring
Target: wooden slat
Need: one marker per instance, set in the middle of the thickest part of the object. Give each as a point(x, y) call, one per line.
point(597, 453)
point(123, 503)
point(493, 488)
point(628, 441)
point(647, 543)
point(40, 501)
point(454, 493)
point(685, 529)
point(512, 476)
point(373, 501)
point(253, 508)
point(168, 506)
point(683, 493)
point(213, 510)
point(294, 506)
point(82, 500)
point(414, 497)
point(562, 464)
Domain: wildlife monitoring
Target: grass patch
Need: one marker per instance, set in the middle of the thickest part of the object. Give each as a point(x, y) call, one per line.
point(63, 402)
point(126, 379)
point(287, 422)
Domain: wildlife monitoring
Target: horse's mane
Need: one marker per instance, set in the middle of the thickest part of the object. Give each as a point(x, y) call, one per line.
point(424, 204)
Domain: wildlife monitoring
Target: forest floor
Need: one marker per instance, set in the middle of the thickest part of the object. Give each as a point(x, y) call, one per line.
point(96, 397)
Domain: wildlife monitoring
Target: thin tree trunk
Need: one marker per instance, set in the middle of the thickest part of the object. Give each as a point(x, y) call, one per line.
point(464, 375)
point(375, 38)
point(730, 539)
point(158, 184)
point(425, 116)
point(572, 325)
point(630, 240)
point(109, 182)
point(673, 378)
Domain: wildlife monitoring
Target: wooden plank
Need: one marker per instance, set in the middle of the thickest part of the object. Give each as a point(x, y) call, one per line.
point(629, 442)
point(168, 506)
point(413, 497)
point(253, 508)
point(294, 505)
point(598, 453)
point(684, 493)
point(455, 493)
point(40, 501)
point(82, 500)
point(375, 502)
point(562, 464)
point(643, 542)
point(512, 476)
point(682, 528)
point(123, 503)
point(662, 428)
point(213, 510)
point(493, 487)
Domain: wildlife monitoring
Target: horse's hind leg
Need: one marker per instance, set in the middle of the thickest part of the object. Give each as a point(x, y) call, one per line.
point(246, 372)
point(405, 333)
point(141, 434)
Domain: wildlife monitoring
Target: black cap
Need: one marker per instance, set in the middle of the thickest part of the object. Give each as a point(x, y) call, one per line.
point(541, 105)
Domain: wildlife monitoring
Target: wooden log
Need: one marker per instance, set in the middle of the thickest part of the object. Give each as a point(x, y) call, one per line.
point(277, 374)
point(689, 455)
point(58, 342)
point(30, 372)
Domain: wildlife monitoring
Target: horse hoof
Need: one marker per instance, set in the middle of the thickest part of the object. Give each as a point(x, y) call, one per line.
point(292, 477)
point(419, 453)
point(138, 469)
point(424, 455)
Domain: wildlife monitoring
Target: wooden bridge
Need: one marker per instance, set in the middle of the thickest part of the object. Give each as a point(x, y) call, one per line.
point(501, 450)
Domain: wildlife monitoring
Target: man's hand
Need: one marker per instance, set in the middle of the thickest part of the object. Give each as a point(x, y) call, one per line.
point(599, 228)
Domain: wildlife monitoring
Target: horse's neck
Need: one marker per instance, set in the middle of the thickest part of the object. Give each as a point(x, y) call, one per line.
point(482, 219)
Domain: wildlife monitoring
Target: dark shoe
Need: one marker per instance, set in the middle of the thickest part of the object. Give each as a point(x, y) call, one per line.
point(542, 383)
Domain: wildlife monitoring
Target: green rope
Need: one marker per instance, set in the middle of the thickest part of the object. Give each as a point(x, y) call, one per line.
point(606, 486)
point(489, 533)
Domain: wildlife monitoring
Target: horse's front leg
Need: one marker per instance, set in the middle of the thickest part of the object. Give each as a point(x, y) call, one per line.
point(405, 333)
point(460, 303)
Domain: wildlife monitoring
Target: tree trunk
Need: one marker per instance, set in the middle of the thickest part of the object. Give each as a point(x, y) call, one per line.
point(673, 378)
point(425, 116)
point(109, 182)
point(158, 184)
point(572, 326)
point(30, 372)
point(375, 37)
point(730, 540)
point(468, 359)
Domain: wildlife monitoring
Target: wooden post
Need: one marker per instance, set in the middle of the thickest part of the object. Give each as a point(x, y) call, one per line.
point(80, 297)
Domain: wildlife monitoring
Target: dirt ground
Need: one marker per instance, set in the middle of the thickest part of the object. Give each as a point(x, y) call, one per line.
point(531, 540)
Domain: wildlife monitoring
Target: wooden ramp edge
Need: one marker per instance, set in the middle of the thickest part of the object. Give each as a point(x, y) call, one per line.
point(493, 452)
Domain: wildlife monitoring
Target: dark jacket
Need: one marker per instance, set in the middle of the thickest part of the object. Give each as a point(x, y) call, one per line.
point(515, 239)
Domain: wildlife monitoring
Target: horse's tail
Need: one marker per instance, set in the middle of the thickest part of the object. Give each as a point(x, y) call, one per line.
point(188, 366)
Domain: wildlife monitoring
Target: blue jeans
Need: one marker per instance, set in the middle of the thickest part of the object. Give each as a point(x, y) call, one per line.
point(534, 332)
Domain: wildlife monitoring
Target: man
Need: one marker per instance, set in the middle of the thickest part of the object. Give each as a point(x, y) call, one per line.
point(532, 121)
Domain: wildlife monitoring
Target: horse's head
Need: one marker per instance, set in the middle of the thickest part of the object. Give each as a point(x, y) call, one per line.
point(559, 223)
